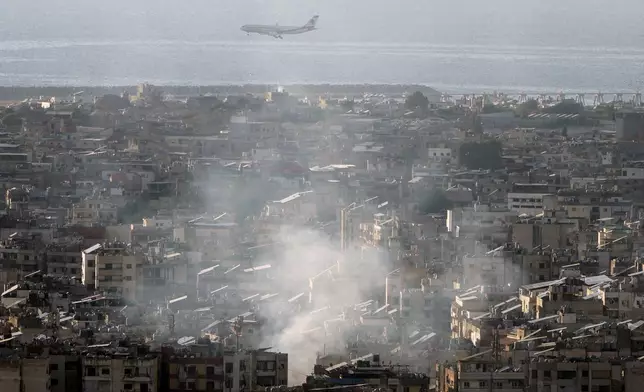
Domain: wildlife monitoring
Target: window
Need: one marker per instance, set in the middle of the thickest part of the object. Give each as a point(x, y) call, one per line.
point(53, 367)
point(128, 387)
point(192, 370)
point(54, 382)
point(250, 331)
point(499, 385)
point(584, 373)
point(144, 387)
point(108, 266)
point(128, 266)
point(210, 385)
point(228, 368)
point(466, 384)
point(210, 371)
point(105, 372)
point(566, 374)
point(91, 371)
point(191, 386)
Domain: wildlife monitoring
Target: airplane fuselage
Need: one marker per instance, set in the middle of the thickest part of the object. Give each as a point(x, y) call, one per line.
point(278, 31)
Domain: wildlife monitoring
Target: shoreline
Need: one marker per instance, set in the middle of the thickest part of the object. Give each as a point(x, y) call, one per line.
point(23, 92)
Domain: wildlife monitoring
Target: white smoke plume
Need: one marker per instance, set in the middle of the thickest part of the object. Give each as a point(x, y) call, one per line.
point(311, 263)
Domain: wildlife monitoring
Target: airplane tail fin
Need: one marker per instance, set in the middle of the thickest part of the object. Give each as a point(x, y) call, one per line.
point(312, 22)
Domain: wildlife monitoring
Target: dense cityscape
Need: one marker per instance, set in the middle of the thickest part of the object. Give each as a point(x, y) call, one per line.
point(275, 239)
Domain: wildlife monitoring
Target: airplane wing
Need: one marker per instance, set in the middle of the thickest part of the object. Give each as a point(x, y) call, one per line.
point(269, 33)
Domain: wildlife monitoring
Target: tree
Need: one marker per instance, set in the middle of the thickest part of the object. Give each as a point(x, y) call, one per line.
point(491, 108)
point(347, 105)
point(434, 202)
point(527, 107)
point(135, 210)
point(567, 106)
point(564, 131)
point(484, 155)
point(112, 103)
point(417, 101)
point(11, 120)
point(477, 125)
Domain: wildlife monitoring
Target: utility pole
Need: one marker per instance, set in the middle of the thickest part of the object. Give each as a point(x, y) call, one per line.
point(496, 346)
point(253, 369)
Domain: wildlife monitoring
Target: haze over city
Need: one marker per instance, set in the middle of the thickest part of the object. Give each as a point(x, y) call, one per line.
point(501, 44)
point(321, 196)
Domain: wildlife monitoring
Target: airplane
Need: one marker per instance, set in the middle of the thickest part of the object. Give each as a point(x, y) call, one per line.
point(277, 31)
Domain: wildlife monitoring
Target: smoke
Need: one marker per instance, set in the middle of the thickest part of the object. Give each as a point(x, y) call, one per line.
point(332, 282)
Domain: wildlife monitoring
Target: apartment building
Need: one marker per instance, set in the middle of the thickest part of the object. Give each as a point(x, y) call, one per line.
point(11, 375)
point(65, 372)
point(197, 369)
point(466, 308)
point(88, 266)
point(551, 230)
point(201, 369)
point(118, 269)
point(493, 269)
point(24, 374)
point(594, 205)
point(479, 373)
point(22, 254)
point(64, 260)
point(92, 212)
point(486, 222)
point(120, 372)
point(548, 375)
point(425, 307)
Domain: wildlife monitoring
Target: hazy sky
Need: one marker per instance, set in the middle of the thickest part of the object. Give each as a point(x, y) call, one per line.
point(493, 22)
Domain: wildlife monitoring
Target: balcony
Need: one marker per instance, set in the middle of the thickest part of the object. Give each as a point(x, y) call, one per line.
point(143, 377)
